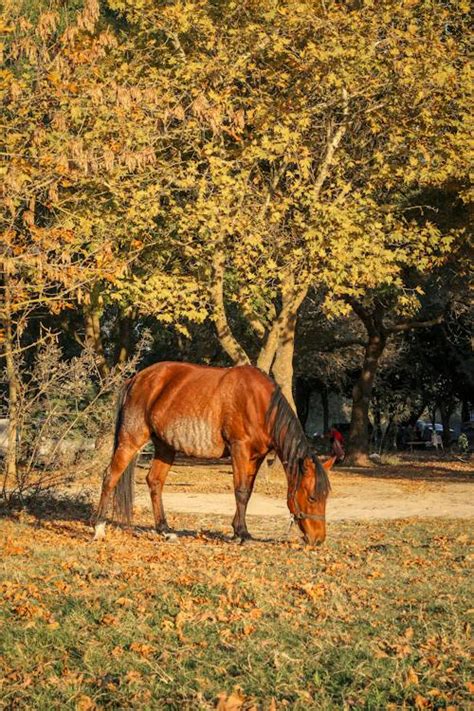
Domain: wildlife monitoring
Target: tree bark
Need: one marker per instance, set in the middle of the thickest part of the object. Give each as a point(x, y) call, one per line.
point(446, 411)
point(325, 407)
point(13, 389)
point(92, 316)
point(358, 441)
point(125, 338)
point(226, 338)
point(277, 353)
point(303, 391)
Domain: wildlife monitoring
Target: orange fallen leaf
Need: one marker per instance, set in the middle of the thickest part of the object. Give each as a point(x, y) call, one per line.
point(143, 649)
point(133, 676)
point(234, 702)
point(124, 602)
point(85, 703)
point(411, 676)
point(421, 702)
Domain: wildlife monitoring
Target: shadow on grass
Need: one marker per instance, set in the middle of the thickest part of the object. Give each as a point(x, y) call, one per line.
point(49, 506)
point(411, 471)
point(62, 509)
point(197, 534)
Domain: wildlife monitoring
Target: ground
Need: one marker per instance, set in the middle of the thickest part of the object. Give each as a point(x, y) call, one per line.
point(378, 618)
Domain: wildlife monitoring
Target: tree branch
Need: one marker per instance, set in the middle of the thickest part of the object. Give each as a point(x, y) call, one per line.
point(348, 343)
point(332, 145)
point(409, 325)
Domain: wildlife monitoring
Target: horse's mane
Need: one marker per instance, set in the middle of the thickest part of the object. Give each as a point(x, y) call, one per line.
point(291, 443)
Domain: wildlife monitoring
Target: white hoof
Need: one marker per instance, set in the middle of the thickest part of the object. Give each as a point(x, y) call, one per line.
point(168, 536)
point(99, 531)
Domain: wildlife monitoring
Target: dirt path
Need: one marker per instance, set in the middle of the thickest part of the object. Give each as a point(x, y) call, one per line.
point(352, 498)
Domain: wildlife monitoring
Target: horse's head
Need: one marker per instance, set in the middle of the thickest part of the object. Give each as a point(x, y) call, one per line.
point(307, 500)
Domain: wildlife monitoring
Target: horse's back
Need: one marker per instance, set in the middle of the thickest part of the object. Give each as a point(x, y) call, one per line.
point(198, 409)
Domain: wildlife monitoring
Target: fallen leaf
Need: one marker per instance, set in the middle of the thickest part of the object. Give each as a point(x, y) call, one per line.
point(133, 676)
point(421, 702)
point(143, 649)
point(124, 602)
point(85, 703)
point(234, 702)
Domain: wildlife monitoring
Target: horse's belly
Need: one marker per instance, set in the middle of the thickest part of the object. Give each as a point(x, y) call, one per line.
point(195, 437)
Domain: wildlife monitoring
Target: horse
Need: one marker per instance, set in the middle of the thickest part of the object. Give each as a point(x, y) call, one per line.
point(211, 412)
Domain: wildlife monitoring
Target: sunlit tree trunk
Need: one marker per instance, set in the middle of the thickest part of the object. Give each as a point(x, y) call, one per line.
point(13, 386)
point(224, 333)
point(277, 354)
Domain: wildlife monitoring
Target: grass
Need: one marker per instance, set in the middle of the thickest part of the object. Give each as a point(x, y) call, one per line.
point(375, 619)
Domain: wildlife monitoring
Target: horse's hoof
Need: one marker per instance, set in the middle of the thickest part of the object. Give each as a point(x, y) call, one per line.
point(99, 532)
point(169, 536)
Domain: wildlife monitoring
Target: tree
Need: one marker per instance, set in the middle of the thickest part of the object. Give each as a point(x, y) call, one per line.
point(299, 129)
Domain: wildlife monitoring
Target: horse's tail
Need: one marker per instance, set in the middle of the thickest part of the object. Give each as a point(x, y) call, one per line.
point(124, 491)
point(124, 494)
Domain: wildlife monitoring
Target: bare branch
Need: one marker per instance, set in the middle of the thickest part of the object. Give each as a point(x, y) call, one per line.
point(333, 143)
point(409, 325)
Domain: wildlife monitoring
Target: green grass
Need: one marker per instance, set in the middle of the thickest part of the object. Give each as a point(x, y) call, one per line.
point(375, 619)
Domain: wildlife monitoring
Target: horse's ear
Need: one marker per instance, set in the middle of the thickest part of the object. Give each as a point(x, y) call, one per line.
point(328, 464)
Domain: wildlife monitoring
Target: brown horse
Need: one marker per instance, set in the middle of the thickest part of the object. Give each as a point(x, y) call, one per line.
point(212, 412)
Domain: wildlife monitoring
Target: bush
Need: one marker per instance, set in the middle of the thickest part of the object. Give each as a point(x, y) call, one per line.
point(66, 417)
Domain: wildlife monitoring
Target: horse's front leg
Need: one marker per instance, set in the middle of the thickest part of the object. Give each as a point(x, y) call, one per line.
point(245, 468)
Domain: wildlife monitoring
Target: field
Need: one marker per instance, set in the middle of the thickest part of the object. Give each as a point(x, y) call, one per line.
point(377, 618)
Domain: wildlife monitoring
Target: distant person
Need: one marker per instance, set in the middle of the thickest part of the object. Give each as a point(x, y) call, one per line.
point(337, 444)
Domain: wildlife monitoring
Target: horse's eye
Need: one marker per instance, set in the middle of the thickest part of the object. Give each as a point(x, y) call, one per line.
point(312, 499)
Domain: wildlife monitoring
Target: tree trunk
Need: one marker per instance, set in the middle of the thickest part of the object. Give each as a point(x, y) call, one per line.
point(283, 368)
point(92, 316)
point(13, 391)
point(302, 398)
point(226, 338)
point(377, 434)
point(358, 441)
point(325, 407)
point(125, 338)
point(285, 326)
point(465, 411)
point(446, 414)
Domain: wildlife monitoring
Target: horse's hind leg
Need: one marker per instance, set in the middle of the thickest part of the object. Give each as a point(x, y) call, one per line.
point(245, 470)
point(121, 458)
point(160, 466)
